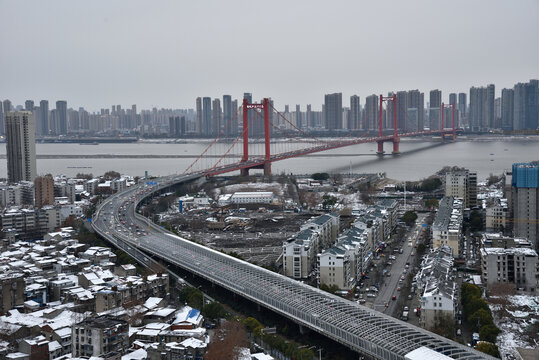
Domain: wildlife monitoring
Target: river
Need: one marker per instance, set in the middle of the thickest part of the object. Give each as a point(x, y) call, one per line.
point(418, 159)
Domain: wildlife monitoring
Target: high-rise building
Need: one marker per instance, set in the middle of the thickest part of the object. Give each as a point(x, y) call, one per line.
point(525, 202)
point(198, 125)
point(489, 118)
point(231, 124)
point(44, 188)
point(29, 105)
point(482, 114)
point(415, 105)
point(206, 116)
point(61, 117)
point(43, 123)
point(507, 109)
point(371, 112)
point(309, 119)
point(526, 105)
point(402, 111)
point(435, 113)
point(453, 99)
point(355, 113)
point(462, 184)
point(462, 109)
point(299, 117)
point(20, 146)
point(7, 106)
point(2, 127)
point(216, 117)
point(476, 108)
point(333, 111)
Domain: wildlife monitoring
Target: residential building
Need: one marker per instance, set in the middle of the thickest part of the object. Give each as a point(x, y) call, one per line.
point(334, 268)
point(43, 122)
point(327, 226)
point(333, 111)
point(496, 215)
point(61, 117)
point(526, 105)
point(435, 107)
point(100, 336)
point(436, 284)
point(11, 291)
point(525, 201)
point(447, 225)
point(21, 146)
point(508, 107)
point(415, 117)
point(462, 109)
point(517, 266)
point(462, 184)
point(44, 187)
point(299, 254)
point(355, 113)
point(371, 112)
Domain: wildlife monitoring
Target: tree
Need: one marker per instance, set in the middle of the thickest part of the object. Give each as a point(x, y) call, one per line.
point(253, 326)
point(192, 296)
point(84, 176)
point(111, 174)
point(320, 176)
point(444, 326)
point(489, 333)
point(227, 341)
point(214, 311)
point(409, 217)
point(328, 202)
point(479, 319)
point(431, 203)
point(488, 348)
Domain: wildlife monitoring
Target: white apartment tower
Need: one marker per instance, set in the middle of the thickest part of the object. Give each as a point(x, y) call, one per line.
point(20, 146)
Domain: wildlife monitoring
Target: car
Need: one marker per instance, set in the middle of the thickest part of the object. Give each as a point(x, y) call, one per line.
point(406, 308)
point(393, 297)
point(371, 295)
point(388, 274)
point(399, 288)
point(387, 304)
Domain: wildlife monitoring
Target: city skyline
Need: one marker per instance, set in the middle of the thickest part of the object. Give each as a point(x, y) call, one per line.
point(165, 63)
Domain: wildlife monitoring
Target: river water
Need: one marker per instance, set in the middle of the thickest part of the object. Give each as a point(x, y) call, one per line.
point(418, 159)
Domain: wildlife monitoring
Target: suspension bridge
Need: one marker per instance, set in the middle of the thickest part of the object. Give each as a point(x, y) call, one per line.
point(296, 142)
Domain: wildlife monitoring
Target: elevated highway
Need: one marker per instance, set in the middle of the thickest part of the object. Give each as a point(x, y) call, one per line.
point(364, 330)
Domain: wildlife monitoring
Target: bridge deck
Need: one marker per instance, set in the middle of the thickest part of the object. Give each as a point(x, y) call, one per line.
point(360, 328)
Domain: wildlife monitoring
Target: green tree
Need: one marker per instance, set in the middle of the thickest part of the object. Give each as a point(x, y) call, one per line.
point(320, 176)
point(328, 202)
point(111, 174)
point(192, 296)
point(489, 333)
point(253, 326)
point(409, 217)
point(475, 304)
point(214, 311)
point(469, 291)
point(479, 319)
point(488, 348)
point(431, 203)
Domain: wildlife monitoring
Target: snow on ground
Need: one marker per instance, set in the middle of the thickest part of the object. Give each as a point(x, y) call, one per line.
point(514, 314)
point(277, 188)
point(348, 200)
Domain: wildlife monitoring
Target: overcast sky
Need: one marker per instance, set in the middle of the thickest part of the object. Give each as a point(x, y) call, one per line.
point(166, 53)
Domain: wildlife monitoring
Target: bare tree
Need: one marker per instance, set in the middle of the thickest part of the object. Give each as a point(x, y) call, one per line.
point(227, 341)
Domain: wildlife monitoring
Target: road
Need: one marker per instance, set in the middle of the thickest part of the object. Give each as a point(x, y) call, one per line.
point(357, 327)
